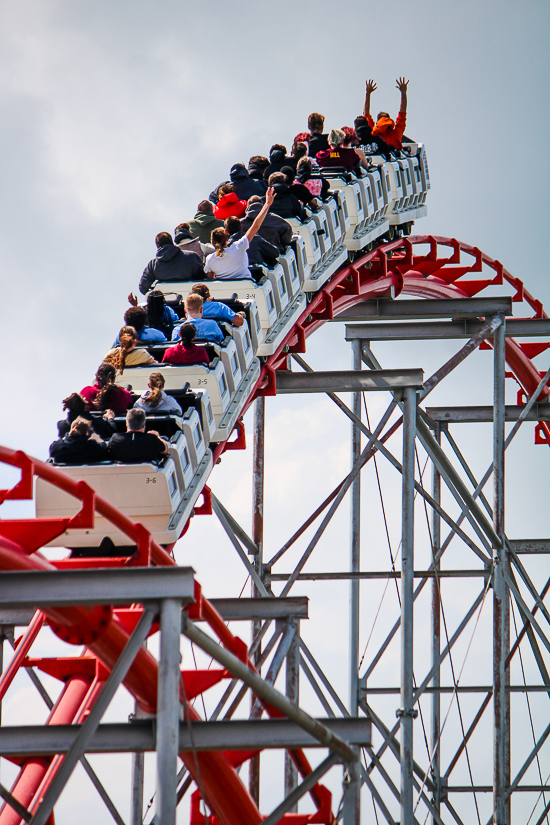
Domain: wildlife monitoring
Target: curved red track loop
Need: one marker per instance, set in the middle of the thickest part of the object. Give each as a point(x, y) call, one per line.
point(423, 266)
point(447, 268)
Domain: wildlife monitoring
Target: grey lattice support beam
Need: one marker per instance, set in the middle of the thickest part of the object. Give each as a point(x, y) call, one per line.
point(431, 308)
point(348, 381)
point(440, 330)
point(169, 710)
point(122, 586)
point(485, 414)
point(139, 736)
point(501, 598)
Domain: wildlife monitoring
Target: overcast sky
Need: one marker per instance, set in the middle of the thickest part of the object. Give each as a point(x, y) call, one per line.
point(117, 118)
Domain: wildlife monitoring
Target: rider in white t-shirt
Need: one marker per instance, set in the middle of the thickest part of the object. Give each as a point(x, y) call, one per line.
point(230, 263)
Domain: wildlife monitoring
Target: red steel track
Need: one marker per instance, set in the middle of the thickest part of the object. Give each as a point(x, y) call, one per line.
point(421, 266)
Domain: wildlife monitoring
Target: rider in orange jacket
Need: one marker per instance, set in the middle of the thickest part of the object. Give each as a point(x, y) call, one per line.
point(389, 130)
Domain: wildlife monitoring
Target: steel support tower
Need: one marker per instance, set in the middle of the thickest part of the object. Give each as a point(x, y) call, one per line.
point(446, 715)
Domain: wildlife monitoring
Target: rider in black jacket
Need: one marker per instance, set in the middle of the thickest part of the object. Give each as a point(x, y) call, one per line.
point(170, 264)
point(274, 229)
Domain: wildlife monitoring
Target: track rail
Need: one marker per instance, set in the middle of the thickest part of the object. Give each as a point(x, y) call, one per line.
point(423, 266)
point(402, 267)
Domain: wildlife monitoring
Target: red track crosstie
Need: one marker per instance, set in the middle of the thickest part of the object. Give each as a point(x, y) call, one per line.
point(421, 266)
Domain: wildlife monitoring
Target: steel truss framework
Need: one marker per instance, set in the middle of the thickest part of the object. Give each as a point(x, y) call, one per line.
point(398, 766)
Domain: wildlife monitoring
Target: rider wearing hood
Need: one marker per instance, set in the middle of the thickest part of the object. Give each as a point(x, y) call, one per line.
point(204, 222)
point(285, 204)
point(170, 264)
point(274, 229)
point(390, 131)
point(257, 166)
point(187, 243)
point(277, 159)
point(229, 205)
point(243, 185)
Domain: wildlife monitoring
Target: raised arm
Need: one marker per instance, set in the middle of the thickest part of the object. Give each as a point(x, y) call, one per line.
point(258, 220)
point(402, 84)
point(370, 87)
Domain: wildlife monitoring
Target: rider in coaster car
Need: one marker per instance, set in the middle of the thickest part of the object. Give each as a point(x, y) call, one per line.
point(170, 264)
point(205, 327)
point(136, 317)
point(155, 399)
point(105, 394)
point(230, 263)
point(274, 229)
point(136, 445)
point(286, 204)
point(243, 182)
point(76, 407)
point(371, 145)
point(298, 189)
point(215, 310)
point(80, 446)
point(186, 352)
point(160, 316)
point(339, 155)
point(260, 252)
point(277, 158)
point(391, 131)
point(126, 354)
point(317, 140)
point(245, 186)
point(257, 166)
point(319, 187)
point(229, 205)
point(187, 243)
point(204, 222)
point(299, 151)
